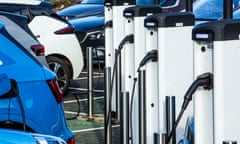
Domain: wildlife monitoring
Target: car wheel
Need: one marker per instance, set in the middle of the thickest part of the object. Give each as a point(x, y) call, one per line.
point(60, 68)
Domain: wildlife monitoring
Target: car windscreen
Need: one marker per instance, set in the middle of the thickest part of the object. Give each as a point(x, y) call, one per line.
point(92, 1)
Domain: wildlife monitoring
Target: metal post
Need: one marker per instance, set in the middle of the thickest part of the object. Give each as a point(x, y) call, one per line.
point(118, 86)
point(142, 107)
point(189, 6)
point(90, 83)
point(124, 118)
point(170, 112)
point(160, 138)
point(227, 9)
point(108, 107)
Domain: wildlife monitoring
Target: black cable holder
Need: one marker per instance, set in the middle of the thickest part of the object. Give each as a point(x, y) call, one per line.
point(206, 82)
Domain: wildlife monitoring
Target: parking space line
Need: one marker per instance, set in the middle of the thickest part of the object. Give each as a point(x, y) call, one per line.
point(83, 78)
point(71, 112)
point(84, 89)
point(93, 73)
point(92, 129)
point(85, 99)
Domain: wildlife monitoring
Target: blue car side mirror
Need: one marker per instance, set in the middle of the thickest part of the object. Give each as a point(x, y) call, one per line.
point(5, 84)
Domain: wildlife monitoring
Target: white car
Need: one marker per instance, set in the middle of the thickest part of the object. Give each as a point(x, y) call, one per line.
point(62, 49)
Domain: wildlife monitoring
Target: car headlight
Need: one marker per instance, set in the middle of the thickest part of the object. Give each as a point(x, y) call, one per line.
point(96, 35)
point(91, 36)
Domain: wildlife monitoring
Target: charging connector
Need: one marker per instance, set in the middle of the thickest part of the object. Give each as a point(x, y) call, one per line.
point(206, 82)
point(127, 39)
point(151, 55)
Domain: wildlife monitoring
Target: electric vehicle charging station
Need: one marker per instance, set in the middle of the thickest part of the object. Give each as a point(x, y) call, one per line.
point(175, 66)
point(217, 51)
point(216, 46)
point(109, 55)
point(113, 11)
point(134, 25)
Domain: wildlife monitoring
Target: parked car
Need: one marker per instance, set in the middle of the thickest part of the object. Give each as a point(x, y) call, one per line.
point(90, 33)
point(87, 17)
point(35, 102)
point(62, 49)
point(83, 8)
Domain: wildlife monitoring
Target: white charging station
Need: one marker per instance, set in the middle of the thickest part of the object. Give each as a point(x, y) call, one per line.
point(135, 21)
point(175, 61)
point(151, 100)
point(217, 51)
point(109, 51)
point(113, 36)
point(128, 52)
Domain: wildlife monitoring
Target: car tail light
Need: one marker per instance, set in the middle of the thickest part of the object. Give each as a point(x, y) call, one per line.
point(38, 49)
point(53, 84)
point(71, 141)
point(66, 30)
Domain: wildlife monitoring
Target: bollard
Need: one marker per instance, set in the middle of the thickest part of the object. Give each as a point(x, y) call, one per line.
point(90, 83)
point(108, 107)
point(118, 86)
point(160, 138)
point(142, 107)
point(170, 112)
point(124, 118)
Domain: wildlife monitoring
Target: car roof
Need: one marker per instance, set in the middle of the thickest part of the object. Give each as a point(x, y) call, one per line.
point(28, 2)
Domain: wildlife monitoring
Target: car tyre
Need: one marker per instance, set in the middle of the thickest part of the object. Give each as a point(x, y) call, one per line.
point(60, 68)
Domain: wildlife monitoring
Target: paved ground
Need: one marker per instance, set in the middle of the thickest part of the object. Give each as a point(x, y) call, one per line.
point(76, 110)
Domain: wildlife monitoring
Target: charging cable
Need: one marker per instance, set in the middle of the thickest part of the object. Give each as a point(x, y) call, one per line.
point(127, 39)
point(150, 56)
point(206, 81)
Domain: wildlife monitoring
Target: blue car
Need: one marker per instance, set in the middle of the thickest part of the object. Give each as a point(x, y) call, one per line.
point(8, 136)
point(35, 105)
point(84, 8)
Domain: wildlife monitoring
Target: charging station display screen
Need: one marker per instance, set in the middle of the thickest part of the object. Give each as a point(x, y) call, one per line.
point(150, 24)
point(201, 36)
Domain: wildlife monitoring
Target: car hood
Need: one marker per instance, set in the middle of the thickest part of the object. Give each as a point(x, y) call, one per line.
point(82, 10)
point(87, 23)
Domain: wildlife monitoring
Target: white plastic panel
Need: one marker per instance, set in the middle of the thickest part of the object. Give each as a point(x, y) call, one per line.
point(226, 91)
point(175, 70)
point(203, 99)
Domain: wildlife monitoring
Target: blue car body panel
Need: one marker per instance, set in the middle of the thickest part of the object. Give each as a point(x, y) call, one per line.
point(5, 85)
point(87, 23)
point(13, 137)
point(43, 113)
point(82, 10)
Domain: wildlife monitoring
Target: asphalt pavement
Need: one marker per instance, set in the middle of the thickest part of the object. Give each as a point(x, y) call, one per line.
point(88, 130)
